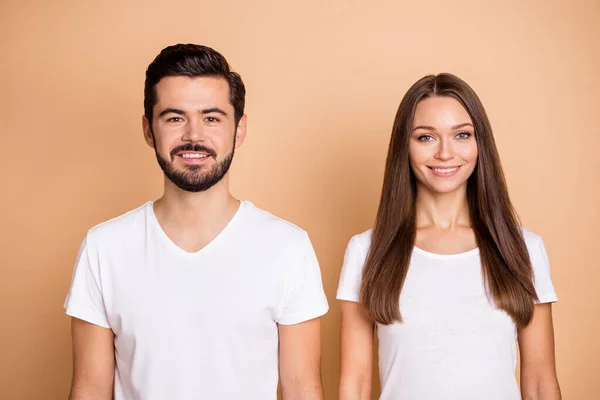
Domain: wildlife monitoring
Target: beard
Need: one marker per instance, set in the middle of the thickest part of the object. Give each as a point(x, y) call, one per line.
point(195, 178)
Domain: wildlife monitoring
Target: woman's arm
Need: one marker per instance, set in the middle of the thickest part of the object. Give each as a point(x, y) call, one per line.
point(356, 340)
point(536, 347)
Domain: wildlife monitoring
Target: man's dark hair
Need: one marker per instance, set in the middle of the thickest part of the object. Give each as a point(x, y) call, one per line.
point(192, 60)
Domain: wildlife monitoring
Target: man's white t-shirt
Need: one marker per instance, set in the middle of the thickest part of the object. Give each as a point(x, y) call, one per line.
point(198, 325)
point(453, 344)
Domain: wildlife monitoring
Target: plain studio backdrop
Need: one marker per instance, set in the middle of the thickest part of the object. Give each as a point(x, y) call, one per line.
point(324, 80)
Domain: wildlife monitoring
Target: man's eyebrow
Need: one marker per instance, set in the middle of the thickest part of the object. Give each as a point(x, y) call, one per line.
point(181, 112)
point(214, 110)
point(171, 110)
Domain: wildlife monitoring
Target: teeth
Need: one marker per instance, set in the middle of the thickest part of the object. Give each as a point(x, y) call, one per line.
point(192, 155)
point(445, 170)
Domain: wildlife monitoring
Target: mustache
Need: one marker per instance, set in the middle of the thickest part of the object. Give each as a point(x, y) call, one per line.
point(193, 147)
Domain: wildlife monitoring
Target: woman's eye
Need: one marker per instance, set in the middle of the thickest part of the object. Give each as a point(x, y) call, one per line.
point(425, 138)
point(463, 135)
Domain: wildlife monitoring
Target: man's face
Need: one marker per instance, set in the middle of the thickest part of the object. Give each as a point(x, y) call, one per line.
point(193, 130)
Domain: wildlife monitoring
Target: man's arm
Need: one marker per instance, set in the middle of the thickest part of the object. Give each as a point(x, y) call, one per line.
point(93, 361)
point(300, 360)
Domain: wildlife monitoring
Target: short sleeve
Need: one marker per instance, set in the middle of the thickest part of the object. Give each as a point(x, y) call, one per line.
point(542, 277)
point(84, 299)
point(351, 276)
point(304, 297)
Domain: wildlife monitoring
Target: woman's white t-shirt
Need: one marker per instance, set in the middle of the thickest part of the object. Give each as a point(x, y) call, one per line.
point(453, 344)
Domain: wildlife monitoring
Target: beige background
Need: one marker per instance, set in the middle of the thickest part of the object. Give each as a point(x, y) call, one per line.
point(324, 79)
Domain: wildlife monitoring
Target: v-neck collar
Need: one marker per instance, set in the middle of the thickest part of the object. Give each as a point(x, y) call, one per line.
point(178, 250)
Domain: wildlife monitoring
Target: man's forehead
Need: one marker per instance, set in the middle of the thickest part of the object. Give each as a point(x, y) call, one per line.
point(193, 89)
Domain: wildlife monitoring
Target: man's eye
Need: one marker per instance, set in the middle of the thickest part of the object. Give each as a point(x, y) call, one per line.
point(174, 119)
point(212, 119)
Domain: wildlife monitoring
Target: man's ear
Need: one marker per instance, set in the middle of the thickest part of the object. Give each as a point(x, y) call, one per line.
point(147, 129)
point(240, 133)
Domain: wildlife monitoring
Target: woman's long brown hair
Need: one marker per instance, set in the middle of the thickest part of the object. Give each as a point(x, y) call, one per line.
point(507, 270)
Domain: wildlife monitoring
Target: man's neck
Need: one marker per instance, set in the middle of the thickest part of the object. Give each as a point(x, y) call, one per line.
point(192, 220)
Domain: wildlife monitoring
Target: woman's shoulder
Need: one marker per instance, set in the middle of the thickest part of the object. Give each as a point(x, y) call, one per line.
point(362, 240)
point(531, 238)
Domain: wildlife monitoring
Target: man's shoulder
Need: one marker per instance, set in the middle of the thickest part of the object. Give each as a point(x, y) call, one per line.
point(268, 225)
point(121, 226)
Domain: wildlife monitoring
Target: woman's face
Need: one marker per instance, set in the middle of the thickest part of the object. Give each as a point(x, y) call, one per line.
point(443, 150)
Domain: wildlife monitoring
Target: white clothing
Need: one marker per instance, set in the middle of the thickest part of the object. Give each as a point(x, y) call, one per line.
point(198, 325)
point(453, 344)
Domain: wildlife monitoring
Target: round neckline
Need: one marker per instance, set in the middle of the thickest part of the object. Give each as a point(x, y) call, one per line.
point(178, 250)
point(463, 254)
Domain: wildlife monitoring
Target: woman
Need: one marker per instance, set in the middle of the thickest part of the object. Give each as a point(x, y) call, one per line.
point(447, 275)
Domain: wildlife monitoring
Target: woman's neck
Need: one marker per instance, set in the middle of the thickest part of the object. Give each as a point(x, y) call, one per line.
point(443, 211)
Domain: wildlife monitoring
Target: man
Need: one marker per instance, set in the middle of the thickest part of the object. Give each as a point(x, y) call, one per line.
point(196, 295)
